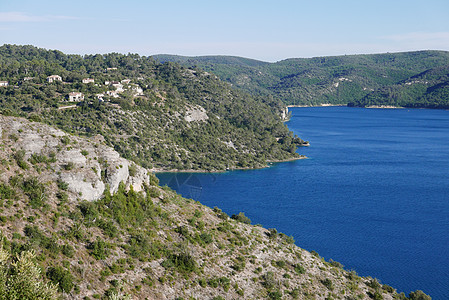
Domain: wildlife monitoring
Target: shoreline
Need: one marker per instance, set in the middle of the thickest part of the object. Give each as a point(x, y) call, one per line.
point(269, 163)
point(369, 107)
point(318, 105)
point(385, 106)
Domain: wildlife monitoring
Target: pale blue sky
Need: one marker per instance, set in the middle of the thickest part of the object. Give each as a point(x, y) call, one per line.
point(264, 29)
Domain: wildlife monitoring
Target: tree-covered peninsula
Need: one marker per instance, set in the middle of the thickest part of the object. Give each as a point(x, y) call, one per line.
point(161, 115)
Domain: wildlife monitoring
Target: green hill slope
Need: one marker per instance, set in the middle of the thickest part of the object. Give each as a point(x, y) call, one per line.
point(335, 80)
point(427, 89)
point(162, 116)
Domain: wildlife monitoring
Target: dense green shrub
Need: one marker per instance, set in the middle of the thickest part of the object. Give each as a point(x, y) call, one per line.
point(154, 180)
point(241, 218)
point(141, 247)
point(62, 197)
point(6, 192)
point(373, 283)
point(206, 238)
point(275, 295)
point(335, 264)
point(154, 192)
point(225, 283)
point(132, 169)
point(268, 280)
point(35, 190)
point(68, 250)
point(182, 262)
point(376, 295)
point(19, 157)
point(388, 288)
point(287, 239)
point(202, 282)
point(61, 277)
point(37, 158)
point(39, 239)
point(68, 166)
point(299, 269)
point(108, 227)
point(419, 295)
point(328, 283)
point(65, 140)
point(98, 249)
point(221, 214)
point(89, 210)
point(62, 185)
point(279, 263)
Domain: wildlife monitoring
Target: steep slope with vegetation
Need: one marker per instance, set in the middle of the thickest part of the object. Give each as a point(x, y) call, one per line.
point(162, 116)
point(151, 244)
point(428, 89)
point(335, 80)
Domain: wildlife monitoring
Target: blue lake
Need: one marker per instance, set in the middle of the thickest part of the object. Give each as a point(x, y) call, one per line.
point(373, 194)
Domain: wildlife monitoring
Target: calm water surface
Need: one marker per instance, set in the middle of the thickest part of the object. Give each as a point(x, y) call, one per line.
point(373, 195)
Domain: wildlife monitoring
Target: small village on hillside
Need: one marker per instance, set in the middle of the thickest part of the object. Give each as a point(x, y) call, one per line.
point(87, 89)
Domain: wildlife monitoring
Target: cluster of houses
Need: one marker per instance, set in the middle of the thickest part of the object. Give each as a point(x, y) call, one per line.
point(119, 88)
point(6, 83)
point(73, 96)
point(78, 96)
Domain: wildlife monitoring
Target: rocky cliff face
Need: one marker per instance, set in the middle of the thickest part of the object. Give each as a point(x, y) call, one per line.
point(87, 166)
point(284, 114)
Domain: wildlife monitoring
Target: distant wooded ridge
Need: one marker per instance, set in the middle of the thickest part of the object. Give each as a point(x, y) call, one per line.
point(407, 79)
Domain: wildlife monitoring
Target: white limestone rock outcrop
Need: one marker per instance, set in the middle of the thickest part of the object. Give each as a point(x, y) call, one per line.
point(87, 166)
point(196, 113)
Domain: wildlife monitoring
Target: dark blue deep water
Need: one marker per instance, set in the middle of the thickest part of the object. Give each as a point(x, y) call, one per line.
point(373, 195)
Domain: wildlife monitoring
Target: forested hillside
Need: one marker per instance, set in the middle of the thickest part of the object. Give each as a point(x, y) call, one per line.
point(161, 115)
point(428, 89)
point(361, 80)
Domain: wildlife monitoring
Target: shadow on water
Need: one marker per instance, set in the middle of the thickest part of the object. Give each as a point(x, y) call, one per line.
point(189, 185)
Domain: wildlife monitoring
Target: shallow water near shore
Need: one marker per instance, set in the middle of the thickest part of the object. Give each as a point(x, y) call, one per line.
point(373, 194)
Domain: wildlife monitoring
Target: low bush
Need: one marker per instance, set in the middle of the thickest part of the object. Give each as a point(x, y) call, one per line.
point(108, 227)
point(221, 214)
point(269, 281)
point(328, 283)
point(299, 269)
point(241, 218)
point(6, 192)
point(419, 295)
point(35, 191)
point(62, 277)
point(182, 262)
point(68, 250)
point(99, 249)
